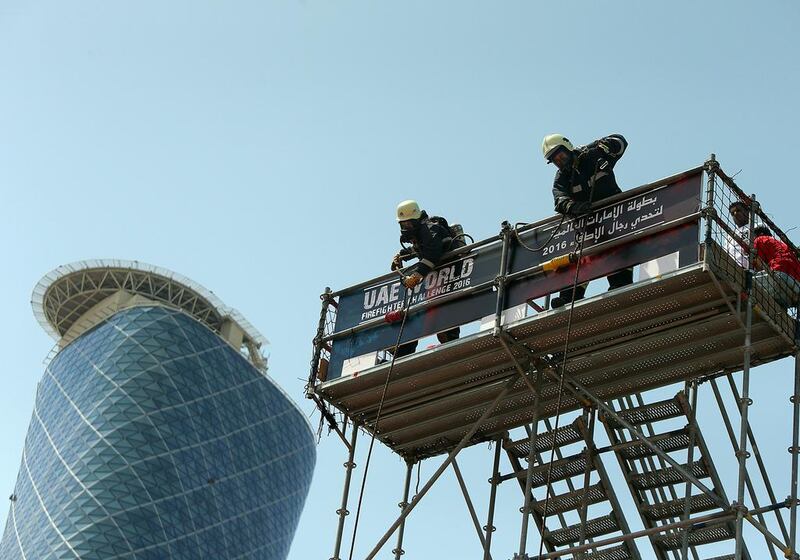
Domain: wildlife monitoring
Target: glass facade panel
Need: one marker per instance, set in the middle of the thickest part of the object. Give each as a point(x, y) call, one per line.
point(152, 438)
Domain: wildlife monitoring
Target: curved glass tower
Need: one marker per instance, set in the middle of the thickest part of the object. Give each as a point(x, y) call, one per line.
point(156, 433)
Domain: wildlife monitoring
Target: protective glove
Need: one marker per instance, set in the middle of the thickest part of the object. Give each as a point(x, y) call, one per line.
point(412, 280)
point(394, 316)
point(397, 262)
point(578, 208)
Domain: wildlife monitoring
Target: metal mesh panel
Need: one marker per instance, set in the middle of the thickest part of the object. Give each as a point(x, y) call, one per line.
point(730, 231)
point(593, 528)
point(663, 477)
point(571, 500)
point(706, 535)
point(616, 553)
point(675, 508)
point(667, 442)
point(563, 469)
point(648, 413)
point(564, 436)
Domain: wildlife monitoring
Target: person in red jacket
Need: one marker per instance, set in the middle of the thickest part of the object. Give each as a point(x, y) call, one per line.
point(783, 282)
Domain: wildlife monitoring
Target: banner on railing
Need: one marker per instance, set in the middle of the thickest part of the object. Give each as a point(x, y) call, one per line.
point(646, 209)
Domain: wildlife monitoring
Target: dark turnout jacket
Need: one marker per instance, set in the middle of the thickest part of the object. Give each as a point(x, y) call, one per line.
point(591, 165)
point(429, 242)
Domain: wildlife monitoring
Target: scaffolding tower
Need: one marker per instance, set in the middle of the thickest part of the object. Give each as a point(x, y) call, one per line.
point(702, 312)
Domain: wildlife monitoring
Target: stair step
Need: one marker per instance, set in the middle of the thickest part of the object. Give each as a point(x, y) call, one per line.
point(563, 469)
point(596, 527)
point(571, 501)
point(616, 553)
point(565, 435)
point(670, 441)
point(667, 476)
point(675, 508)
point(706, 535)
point(655, 412)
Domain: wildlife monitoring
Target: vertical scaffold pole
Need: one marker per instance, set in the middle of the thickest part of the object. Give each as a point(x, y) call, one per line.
point(526, 505)
point(398, 551)
point(500, 281)
point(342, 511)
point(745, 401)
point(692, 388)
point(589, 419)
point(323, 315)
point(468, 501)
point(494, 481)
point(748, 481)
point(711, 167)
point(794, 451)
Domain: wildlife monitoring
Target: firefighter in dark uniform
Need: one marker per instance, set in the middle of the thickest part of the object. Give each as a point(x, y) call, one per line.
point(429, 240)
point(585, 176)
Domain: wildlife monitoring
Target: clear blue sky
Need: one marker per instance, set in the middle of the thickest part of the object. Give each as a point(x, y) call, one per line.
point(260, 148)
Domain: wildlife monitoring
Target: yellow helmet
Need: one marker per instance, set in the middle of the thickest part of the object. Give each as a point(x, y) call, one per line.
point(408, 210)
point(552, 142)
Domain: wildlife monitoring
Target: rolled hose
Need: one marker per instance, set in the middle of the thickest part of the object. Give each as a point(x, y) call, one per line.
point(560, 262)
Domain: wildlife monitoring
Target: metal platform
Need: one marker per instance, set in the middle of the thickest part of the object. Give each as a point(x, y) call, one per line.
point(706, 312)
point(676, 327)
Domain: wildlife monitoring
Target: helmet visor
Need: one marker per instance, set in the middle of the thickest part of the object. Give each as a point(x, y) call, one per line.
point(559, 156)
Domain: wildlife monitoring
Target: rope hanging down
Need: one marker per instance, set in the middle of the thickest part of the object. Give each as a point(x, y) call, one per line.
point(406, 302)
point(563, 368)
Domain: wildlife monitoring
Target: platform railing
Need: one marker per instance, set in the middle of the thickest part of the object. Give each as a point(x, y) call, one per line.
point(737, 263)
point(719, 240)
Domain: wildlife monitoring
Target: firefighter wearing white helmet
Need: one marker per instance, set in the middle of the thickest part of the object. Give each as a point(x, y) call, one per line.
point(429, 239)
point(553, 142)
point(585, 176)
point(408, 210)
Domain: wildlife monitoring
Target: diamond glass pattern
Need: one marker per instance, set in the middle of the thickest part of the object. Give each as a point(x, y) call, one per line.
point(152, 438)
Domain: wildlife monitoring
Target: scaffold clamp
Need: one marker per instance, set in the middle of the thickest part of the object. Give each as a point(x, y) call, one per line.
point(739, 508)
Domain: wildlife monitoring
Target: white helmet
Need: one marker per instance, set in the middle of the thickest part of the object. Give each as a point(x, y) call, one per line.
point(408, 210)
point(552, 142)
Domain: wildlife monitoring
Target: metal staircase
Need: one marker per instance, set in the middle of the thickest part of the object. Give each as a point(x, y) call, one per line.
point(587, 485)
point(659, 491)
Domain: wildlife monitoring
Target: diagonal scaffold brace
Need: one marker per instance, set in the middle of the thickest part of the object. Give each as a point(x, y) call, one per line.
point(445, 464)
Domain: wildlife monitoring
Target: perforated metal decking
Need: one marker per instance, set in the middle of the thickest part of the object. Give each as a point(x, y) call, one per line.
point(679, 326)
